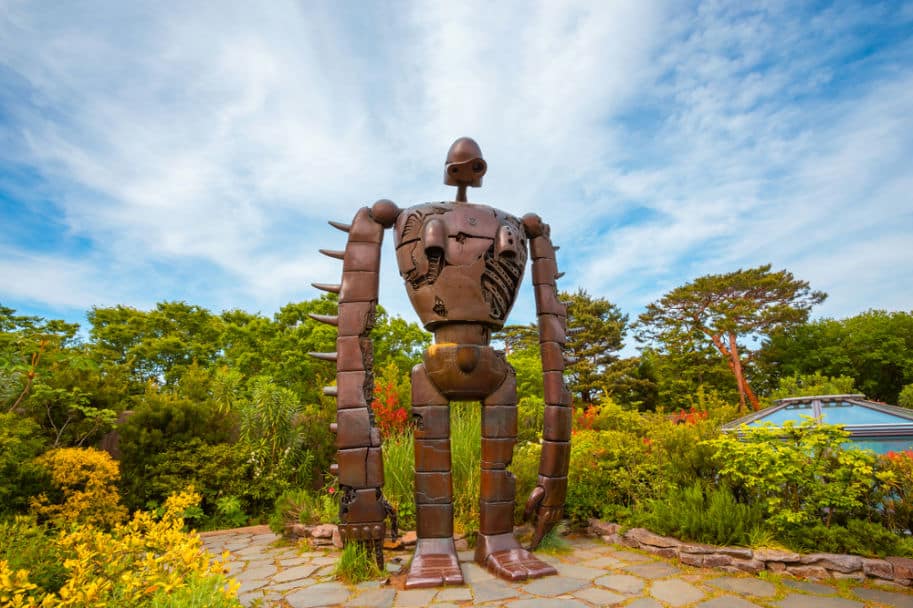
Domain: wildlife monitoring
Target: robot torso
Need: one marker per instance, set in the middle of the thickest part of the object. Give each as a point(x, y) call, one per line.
point(461, 262)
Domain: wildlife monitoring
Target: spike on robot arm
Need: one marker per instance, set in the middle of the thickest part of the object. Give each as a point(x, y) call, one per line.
point(546, 503)
point(359, 466)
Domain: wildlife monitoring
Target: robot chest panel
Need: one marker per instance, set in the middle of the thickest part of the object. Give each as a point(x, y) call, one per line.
point(460, 261)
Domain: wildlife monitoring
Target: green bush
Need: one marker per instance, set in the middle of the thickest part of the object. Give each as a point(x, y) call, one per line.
point(609, 469)
point(20, 477)
point(800, 475)
point(690, 514)
point(857, 537)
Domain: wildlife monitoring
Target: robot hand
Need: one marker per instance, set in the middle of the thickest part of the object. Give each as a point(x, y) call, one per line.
point(544, 517)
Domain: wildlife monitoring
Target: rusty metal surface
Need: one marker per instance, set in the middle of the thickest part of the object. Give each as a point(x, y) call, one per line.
point(462, 264)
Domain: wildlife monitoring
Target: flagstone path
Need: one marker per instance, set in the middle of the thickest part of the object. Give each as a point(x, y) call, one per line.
point(273, 573)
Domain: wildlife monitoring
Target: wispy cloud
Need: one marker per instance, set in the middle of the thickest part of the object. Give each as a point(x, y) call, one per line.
point(196, 150)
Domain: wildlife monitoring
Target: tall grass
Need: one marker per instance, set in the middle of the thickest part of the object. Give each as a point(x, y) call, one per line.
point(466, 451)
point(399, 477)
point(465, 447)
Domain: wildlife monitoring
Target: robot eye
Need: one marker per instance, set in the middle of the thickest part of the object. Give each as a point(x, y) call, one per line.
point(477, 167)
point(453, 170)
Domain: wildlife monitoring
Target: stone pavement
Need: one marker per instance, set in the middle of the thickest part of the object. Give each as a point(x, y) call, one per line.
point(279, 574)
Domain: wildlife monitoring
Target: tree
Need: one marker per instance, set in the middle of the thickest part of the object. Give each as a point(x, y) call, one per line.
point(874, 348)
point(747, 305)
point(596, 329)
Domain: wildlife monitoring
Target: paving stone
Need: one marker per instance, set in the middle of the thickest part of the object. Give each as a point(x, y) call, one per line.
point(250, 585)
point(495, 589)
point(897, 600)
point(322, 594)
point(795, 600)
point(291, 585)
point(604, 563)
point(291, 562)
point(414, 597)
point(581, 572)
point(622, 583)
point(258, 571)
point(600, 597)
point(652, 570)
point(454, 594)
point(809, 587)
point(644, 602)
point(675, 592)
point(726, 601)
point(325, 560)
point(550, 586)
point(474, 573)
point(745, 586)
point(541, 602)
point(382, 598)
point(294, 574)
point(630, 556)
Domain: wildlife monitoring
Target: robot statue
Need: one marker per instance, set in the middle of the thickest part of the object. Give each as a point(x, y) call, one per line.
point(462, 264)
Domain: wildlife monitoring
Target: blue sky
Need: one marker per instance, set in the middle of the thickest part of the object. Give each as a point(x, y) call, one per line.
point(194, 151)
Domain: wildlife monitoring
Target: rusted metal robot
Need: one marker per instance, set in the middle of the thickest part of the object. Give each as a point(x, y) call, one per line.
point(462, 264)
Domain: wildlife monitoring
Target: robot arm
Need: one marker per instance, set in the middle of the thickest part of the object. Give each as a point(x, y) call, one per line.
point(546, 501)
point(359, 461)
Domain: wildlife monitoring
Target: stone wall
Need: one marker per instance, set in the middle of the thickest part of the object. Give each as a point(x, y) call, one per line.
point(898, 570)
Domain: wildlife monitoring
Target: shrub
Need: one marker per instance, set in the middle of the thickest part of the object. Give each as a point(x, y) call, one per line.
point(83, 488)
point(799, 474)
point(167, 438)
point(609, 469)
point(897, 501)
point(857, 537)
point(20, 477)
point(27, 545)
point(714, 517)
point(146, 562)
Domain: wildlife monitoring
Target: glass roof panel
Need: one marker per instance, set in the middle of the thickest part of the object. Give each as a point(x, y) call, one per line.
point(841, 412)
point(793, 411)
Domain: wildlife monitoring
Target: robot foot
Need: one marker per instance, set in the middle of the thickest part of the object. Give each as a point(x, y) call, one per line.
point(503, 556)
point(434, 564)
point(517, 565)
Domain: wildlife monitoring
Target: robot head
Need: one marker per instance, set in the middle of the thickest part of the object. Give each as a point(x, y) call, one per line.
point(464, 165)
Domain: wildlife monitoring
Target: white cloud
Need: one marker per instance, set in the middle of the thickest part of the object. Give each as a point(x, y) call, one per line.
point(661, 142)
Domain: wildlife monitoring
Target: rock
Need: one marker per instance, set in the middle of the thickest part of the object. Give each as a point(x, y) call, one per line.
point(813, 572)
point(739, 552)
point(878, 568)
point(776, 555)
point(461, 544)
point(776, 566)
point(859, 575)
point(834, 561)
point(697, 548)
point(612, 539)
point(409, 538)
point(715, 560)
point(323, 531)
point(645, 537)
point(748, 565)
point(692, 559)
point(597, 527)
point(903, 567)
point(337, 539)
point(298, 531)
point(661, 551)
